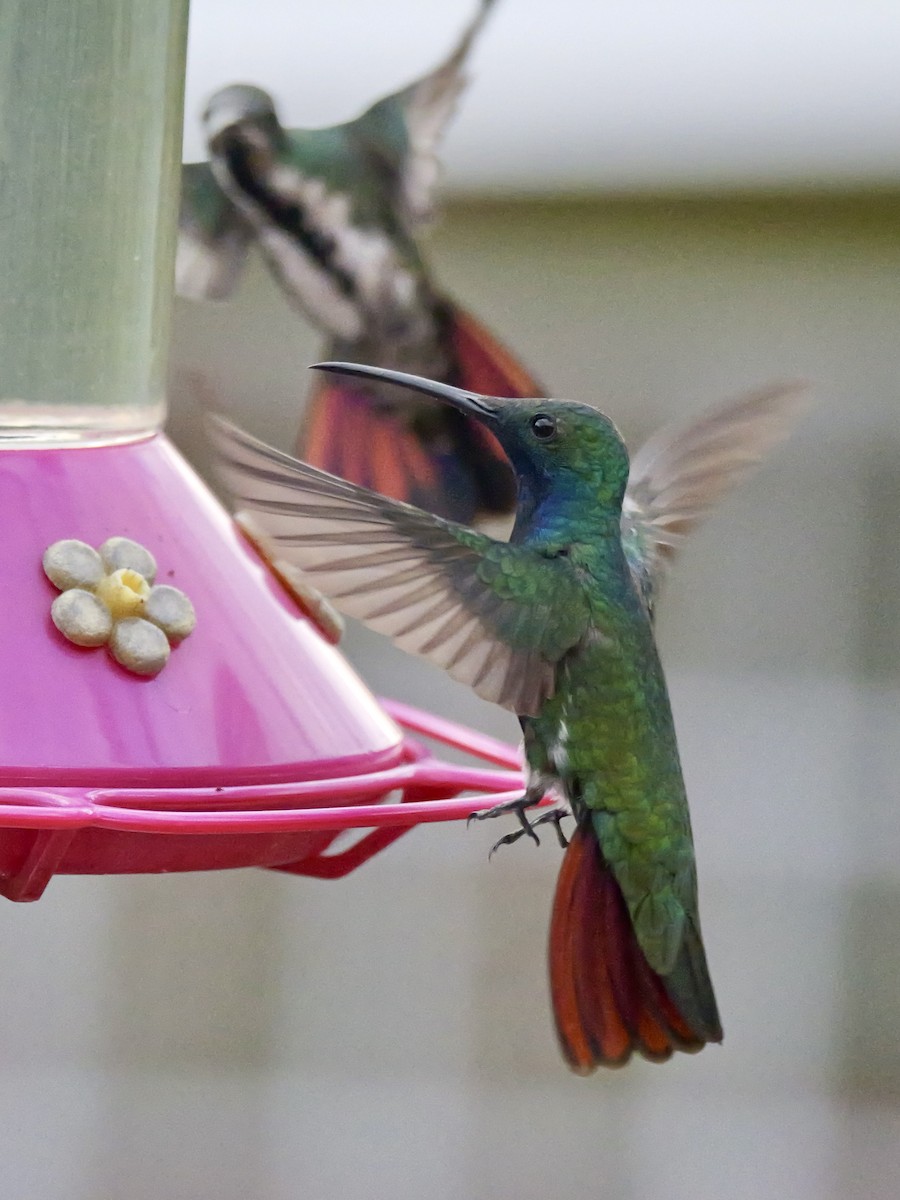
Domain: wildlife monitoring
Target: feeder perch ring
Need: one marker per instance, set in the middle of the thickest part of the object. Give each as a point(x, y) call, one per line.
point(125, 830)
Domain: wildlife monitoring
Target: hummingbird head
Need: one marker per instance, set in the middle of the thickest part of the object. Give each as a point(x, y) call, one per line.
point(567, 457)
point(238, 103)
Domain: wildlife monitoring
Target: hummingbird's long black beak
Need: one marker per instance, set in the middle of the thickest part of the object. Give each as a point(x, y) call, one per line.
point(482, 407)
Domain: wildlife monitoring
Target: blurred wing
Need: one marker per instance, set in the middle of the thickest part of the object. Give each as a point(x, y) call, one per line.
point(678, 475)
point(404, 129)
point(497, 617)
point(212, 237)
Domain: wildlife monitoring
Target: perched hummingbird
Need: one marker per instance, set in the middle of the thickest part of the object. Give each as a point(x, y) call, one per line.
point(557, 626)
point(336, 213)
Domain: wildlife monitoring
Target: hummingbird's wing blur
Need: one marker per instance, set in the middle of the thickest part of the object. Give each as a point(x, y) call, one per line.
point(679, 474)
point(496, 616)
point(403, 130)
point(212, 237)
point(443, 462)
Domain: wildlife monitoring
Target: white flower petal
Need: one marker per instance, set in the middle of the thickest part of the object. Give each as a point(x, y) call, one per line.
point(139, 646)
point(122, 553)
point(81, 617)
point(171, 610)
point(73, 564)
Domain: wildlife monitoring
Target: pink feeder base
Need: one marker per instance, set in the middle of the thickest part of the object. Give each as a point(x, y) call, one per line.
point(254, 746)
point(254, 695)
point(100, 831)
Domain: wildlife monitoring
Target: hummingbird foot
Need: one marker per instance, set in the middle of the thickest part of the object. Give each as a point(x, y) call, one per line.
point(554, 817)
point(509, 838)
point(519, 806)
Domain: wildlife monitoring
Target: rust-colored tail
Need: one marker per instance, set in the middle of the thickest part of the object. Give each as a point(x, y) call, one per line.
point(448, 464)
point(607, 1000)
point(485, 365)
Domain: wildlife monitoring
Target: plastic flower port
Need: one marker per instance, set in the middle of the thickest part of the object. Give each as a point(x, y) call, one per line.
point(107, 597)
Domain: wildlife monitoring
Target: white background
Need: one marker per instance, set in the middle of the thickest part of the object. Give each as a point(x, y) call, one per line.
point(618, 94)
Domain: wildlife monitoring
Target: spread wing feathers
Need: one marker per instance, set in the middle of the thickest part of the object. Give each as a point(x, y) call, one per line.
point(424, 108)
point(212, 237)
point(495, 616)
point(678, 475)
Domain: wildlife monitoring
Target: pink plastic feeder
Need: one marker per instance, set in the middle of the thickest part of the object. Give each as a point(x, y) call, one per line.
point(256, 743)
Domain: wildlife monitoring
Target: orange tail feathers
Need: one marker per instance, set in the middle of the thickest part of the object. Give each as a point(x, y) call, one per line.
point(453, 467)
point(607, 1001)
point(346, 435)
point(484, 363)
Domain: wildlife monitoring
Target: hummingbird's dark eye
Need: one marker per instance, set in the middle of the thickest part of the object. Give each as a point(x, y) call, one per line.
point(543, 427)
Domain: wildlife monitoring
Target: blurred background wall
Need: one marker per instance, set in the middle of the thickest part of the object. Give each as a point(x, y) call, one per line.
point(247, 1035)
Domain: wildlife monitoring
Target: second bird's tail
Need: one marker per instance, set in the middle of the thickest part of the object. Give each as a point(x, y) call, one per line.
point(446, 463)
point(607, 1000)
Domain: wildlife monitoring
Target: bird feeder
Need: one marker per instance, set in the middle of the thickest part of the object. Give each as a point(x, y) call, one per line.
point(165, 704)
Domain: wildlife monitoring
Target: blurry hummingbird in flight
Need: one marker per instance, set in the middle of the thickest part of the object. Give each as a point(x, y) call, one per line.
point(555, 625)
point(336, 213)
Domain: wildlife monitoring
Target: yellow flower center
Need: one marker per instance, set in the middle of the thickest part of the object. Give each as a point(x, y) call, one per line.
point(123, 592)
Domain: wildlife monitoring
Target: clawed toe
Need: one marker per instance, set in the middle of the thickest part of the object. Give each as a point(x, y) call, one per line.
point(518, 806)
point(528, 828)
point(554, 817)
point(509, 838)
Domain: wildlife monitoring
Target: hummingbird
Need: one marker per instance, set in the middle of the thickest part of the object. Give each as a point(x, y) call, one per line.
point(337, 215)
point(555, 625)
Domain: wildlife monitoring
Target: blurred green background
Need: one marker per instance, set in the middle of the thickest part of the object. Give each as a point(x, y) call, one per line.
point(247, 1035)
